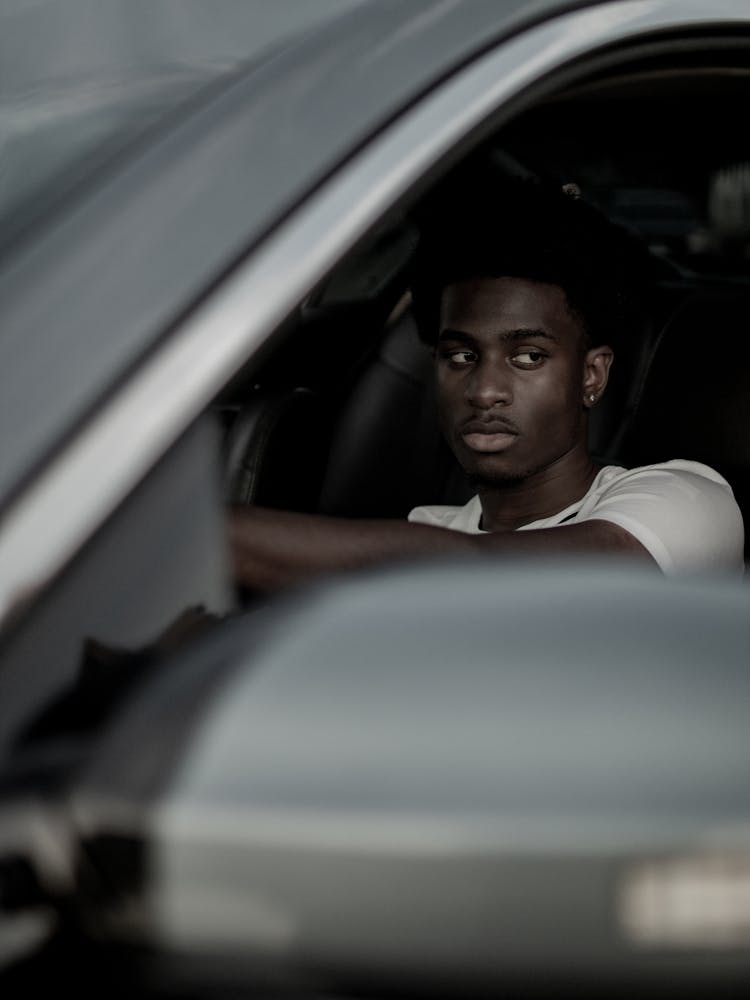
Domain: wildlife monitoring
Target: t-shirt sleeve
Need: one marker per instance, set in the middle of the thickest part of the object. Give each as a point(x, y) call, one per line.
point(465, 519)
point(687, 518)
point(437, 516)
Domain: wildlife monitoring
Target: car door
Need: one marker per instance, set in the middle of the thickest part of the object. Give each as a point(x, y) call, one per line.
point(153, 288)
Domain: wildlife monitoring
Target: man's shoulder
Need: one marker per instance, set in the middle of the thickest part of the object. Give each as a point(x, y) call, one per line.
point(683, 512)
point(665, 474)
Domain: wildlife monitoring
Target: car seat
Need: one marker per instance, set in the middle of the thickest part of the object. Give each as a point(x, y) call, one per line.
point(388, 454)
point(278, 418)
point(274, 451)
point(694, 401)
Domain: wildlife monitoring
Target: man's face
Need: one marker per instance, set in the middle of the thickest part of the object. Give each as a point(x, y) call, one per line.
point(511, 373)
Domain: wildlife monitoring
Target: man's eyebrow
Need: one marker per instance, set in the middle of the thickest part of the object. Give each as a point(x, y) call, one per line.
point(524, 333)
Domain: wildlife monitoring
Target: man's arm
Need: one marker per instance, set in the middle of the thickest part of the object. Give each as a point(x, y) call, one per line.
point(272, 549)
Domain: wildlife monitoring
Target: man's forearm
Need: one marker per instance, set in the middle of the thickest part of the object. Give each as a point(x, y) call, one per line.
point(272, 549)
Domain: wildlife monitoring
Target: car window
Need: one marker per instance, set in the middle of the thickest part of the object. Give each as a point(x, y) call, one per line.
point(373, 272)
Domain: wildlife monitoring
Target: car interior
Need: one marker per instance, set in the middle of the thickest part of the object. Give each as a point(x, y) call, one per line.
point(349, 395)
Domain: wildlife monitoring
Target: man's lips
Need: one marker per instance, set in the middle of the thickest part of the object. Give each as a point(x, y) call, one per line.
point(487, 436)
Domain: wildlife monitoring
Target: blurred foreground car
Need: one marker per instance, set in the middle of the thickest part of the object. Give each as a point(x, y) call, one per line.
point(462, 777)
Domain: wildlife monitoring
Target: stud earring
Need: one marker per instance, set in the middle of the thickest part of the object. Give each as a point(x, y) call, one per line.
point(592, 397)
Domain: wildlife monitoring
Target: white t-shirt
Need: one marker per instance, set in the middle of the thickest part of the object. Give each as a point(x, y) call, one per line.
point(682, 512)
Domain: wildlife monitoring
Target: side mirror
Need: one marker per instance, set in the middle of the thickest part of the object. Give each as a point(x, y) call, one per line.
point(466, 776)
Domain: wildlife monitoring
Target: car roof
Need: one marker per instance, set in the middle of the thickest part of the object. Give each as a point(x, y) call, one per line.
point(88, 291)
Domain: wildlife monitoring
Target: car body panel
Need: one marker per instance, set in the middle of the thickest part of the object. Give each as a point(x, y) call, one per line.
point(81, 80)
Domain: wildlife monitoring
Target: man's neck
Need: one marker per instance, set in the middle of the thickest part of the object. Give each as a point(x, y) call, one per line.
point(510, 505)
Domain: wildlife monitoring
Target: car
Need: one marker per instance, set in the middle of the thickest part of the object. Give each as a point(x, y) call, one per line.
point(369, 785)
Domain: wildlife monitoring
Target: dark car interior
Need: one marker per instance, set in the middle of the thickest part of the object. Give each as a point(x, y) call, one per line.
point(349, 393)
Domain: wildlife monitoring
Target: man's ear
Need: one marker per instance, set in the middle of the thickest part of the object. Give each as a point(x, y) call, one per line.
point(596, 367)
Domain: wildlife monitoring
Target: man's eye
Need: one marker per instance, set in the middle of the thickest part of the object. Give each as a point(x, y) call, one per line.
point(529, 359)
point(461, 357)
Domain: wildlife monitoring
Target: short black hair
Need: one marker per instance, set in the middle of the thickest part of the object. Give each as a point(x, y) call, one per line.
point(486, 227)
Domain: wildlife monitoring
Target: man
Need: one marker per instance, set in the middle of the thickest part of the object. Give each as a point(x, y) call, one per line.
point(522, 291)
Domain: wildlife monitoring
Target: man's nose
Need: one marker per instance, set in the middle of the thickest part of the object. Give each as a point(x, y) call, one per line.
point(489, 386)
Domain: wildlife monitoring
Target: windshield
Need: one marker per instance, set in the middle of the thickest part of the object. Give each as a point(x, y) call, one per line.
point(81, 79)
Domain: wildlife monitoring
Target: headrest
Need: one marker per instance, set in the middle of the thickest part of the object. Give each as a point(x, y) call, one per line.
point(275, 448)
point(695, 399)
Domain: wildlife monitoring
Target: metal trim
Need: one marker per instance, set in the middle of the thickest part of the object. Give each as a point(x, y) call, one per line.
point(81, 487)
